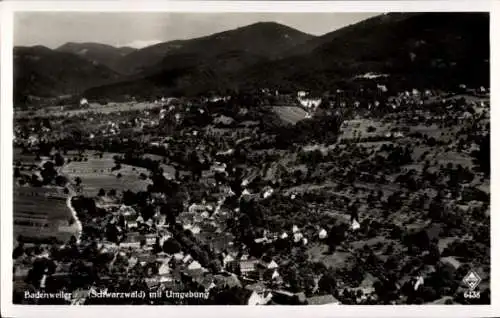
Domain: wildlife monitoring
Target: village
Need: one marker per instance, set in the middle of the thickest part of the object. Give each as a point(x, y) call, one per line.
point(352, 197)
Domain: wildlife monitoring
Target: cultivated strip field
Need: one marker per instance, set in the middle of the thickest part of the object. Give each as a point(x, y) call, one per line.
point(42, 213)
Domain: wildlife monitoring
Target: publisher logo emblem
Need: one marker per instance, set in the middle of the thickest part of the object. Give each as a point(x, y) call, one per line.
point(472, 280)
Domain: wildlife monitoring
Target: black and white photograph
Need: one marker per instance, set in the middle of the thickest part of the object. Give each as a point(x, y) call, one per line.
point(250, 158)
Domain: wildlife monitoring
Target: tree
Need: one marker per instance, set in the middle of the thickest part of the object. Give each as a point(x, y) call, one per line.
point(336, 236)
point(48, 172)
point(482, 156)
point(434, 255)
point(18, 251)
point(78, 181)
point(58, 160)
point(101, 192)
point(61, 181)
point(327, 282)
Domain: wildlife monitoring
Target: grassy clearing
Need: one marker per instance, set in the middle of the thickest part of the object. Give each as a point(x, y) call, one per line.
point(96, 173)
point(319, 253)
point(359, 127)
point(290, 114)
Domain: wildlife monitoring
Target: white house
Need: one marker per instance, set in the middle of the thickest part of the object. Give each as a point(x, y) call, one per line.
point(382, 88)
point(194, 265)
point(84, 102)
point(297, 237)
point(310, 102)
point(164, 269)
point(275, 275)
point(268, 193)
point(322, 234)
point(227, 259)
point(355, 225)
point(179, 256)
point(196, 229)
point(255, 299)
point(132, 261)
point(419, 282)
point(272, 265)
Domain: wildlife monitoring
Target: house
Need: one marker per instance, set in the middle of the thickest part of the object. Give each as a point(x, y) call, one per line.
point(267, 192)
point(301, 94)
point(227, 260)
point(323, 300)
point(164, 269)
point(297, 237)
point(223, 120)
point(187, 259)
point(195, 229)
point(247, 266)
point(79, 296)
point(382, 88)
point(256, 299)
point(261, 240)
point(194, 265)
point(150, 239)
point(419, 282)
point(132, 261)
point(310, 102)
point(355, 225)
point(131, 245)
point(179, 256)
point(322, 234)
point(272, 265)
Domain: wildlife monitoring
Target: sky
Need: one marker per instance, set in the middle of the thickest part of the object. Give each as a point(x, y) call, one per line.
point(140, 29)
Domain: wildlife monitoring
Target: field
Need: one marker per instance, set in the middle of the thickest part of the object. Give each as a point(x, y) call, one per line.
point(290, 114)
point(359, 127)
point(96, 173)
point(42, 213)
point(92, 108)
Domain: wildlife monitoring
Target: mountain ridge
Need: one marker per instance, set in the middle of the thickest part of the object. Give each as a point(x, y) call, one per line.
point(416, 49)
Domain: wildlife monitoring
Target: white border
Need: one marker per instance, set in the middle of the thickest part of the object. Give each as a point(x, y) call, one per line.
point(9, 8)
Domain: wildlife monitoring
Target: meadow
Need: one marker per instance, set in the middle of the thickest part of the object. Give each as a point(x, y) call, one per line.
point(290, 114)
point(97, 173)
